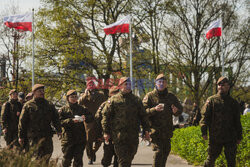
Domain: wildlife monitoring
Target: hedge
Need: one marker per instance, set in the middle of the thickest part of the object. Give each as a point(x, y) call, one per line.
point(13, 158)
point(188, 143)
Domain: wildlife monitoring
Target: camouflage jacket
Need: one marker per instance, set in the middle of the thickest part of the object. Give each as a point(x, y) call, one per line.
point(36, 119)
point(92, 100)
point(9, 118)
point(161, 122)
point(73, 132)
point(122, 116)
point(221, 116)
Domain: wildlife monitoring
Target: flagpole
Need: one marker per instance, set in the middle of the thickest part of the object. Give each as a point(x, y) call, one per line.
point(222, 49)
point(33, 49)
point(130, 39)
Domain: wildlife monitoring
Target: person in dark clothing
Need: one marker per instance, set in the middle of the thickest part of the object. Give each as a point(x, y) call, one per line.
point(9, 119)
point(72, 116)
point(35, 122)
point(221, 117)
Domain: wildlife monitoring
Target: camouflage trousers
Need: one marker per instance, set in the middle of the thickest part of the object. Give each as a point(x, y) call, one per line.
point(11, 138)
point(72, 151)
point(125, 153)
point(214, 150)
point(43, 147)
point(109, 152)
point(162, 149)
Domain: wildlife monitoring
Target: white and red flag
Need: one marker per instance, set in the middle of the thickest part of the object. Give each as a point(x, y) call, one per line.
point(214, 29)
point(19, 22)
point(121, 26)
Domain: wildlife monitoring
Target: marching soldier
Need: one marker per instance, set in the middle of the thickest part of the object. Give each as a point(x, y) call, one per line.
point(72, 116)
point(9, 118)
point(160, 106)
point(122, 116)
point(92, 99)
point(221, 117)
point(35, 123)
point(108, 147)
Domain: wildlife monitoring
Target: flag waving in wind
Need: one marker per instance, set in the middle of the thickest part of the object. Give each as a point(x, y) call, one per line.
point(121, 26)
point(214, 29)
point(19, 22)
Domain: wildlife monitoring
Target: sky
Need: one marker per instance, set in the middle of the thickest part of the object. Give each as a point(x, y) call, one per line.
point(24, 5)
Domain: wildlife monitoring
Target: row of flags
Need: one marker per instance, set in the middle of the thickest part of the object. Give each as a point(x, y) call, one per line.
point(24, 23)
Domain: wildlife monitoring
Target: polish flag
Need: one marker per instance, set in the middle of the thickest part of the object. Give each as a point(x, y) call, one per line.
point(214, 29)
point(19, 22)
point(121, 26)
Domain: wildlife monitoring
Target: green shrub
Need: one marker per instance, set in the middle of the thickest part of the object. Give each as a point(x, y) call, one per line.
point(188, 143)
point(12, 158)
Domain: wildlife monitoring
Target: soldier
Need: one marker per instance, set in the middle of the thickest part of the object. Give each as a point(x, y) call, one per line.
point(21, 98)
point(92, 99)
point(29, 96)
point(9, 118)
point(108, 148)
point(221, 117)
point(35, 123)
point(72, 116)
point(160, 106)
point(122, 116)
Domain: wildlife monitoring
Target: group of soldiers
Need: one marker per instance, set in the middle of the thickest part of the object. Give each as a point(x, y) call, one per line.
point(116, 121)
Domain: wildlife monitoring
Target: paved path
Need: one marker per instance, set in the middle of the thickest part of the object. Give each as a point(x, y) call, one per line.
point(143, 158)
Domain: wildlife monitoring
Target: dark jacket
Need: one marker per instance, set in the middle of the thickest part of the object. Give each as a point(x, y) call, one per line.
point(9, 118)
point(122, 116)
point(221, 117)
point(73, 132)
point(36, 119)
point(161, 122)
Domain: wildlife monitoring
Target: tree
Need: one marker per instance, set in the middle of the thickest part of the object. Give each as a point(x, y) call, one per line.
point(13, 54)
point(151, 16)
point(199, 60)
point(78, 44)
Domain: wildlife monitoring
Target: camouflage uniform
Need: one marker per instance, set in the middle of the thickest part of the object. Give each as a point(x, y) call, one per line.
point(122, 116)
point(74, 135)
point(221, 117)
point(91, 100)
point(35, 123)
point(108, 148)
point(161, 123)
point(9, 120)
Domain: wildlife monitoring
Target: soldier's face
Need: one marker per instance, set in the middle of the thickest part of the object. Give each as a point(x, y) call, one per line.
point(223, 88)
point(14, 96)
point(125, 87)
point(39, 93)
point(161, 84)
point(73, 99)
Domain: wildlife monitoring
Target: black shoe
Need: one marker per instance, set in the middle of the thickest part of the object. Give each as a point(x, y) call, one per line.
point(90, 162)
